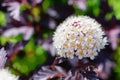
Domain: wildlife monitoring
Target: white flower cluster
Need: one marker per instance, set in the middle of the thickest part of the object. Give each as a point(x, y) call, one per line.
point(4, 73)
point(79, 36)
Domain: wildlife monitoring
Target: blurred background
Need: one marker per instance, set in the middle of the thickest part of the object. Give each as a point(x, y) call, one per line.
point(27, 26)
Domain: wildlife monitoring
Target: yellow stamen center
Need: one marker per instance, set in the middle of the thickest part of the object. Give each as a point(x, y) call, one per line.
point(90, 32)
point(92, 54)
point(75, 30)
point(79, 46)
point(86, 47)
point(81, 52)
point(72, 44)
point(69, 53)
point(71, 37)
point(94, 44)
point(89, 40)
point(84, 28)
point(65, 35)
point(65, 45)
point(80, 39)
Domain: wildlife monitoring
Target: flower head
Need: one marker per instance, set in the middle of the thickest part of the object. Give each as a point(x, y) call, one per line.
point(6, 75)
point(79, 36)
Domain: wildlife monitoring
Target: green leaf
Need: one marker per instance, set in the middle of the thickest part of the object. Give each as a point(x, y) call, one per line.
point(3, 20)
point(12, 39)
point(34, 55)
point(30, 45)
point(116, 7)
point(46, 4)
point(108, 16)
point(117, 66)
point(46, 32)
point(36, 13)
point(22, 8)
point(93, 7)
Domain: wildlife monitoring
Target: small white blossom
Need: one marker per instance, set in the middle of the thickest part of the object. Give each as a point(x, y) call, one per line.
point(113, 36)
point(14, 8)
point(6, 75)
point(37, 1)
point(79, 36)
point(26, 31)
point(81, 4)
point(3, 57)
